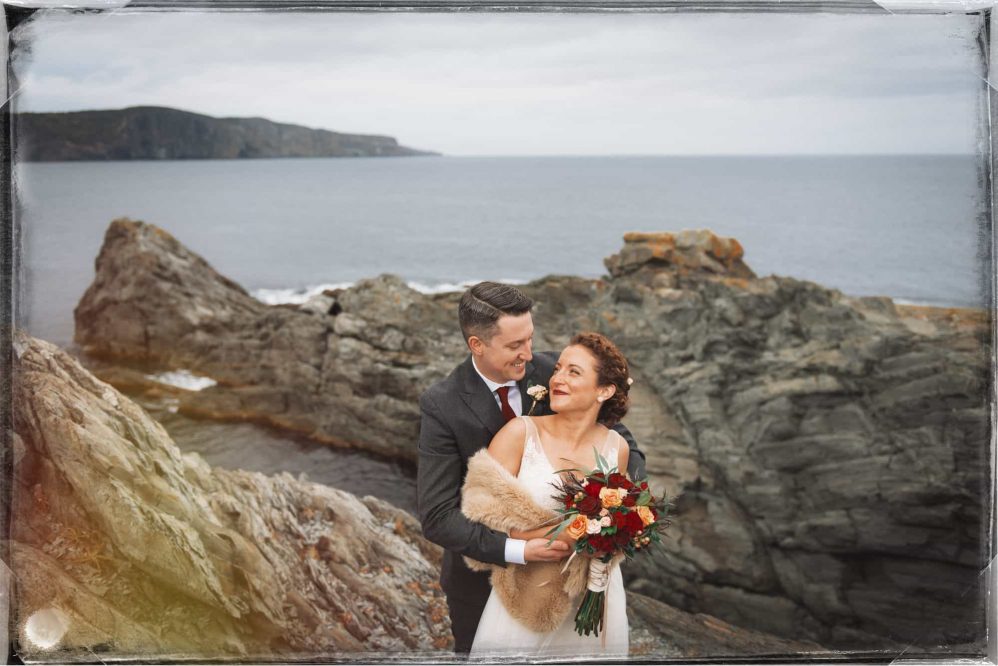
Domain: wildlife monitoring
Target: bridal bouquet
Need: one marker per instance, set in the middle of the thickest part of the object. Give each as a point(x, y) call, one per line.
point(607, 514)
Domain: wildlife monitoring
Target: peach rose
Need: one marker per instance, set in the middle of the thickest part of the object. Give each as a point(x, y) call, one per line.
point(647, 517)
point(577, 527)
point(611, 496)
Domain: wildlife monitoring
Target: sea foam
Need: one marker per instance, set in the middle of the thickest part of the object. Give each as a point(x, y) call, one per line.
point(183, 379)
point(300, 295)
point(295, 296)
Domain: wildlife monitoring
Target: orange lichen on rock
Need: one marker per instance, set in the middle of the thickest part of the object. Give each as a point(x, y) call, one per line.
point(690, 250)
point(740, 283)
point(726, 249)
point(663, 237)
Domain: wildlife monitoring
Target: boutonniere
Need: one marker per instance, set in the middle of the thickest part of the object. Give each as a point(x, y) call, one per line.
point(538, 392)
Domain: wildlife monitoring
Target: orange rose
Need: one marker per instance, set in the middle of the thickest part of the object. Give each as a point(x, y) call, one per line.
point(647, 517)
point(577, 527)
point(611, 497)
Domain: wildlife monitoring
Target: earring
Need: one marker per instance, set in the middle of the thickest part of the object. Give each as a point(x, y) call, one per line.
point(600, 399)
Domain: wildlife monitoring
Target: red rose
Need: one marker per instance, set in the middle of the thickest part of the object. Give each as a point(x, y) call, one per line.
point(630, 499)
point(593, 488)
point(629, 522)
point(601, 543)
point(589, 505)
point(617, 480)
point(620, 539)
point(644, 485)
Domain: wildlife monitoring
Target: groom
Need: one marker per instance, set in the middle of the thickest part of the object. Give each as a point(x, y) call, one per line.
point(459, 415)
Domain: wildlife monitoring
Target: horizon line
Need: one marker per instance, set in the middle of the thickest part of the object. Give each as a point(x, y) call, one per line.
point(16, 160)
point(712, 154)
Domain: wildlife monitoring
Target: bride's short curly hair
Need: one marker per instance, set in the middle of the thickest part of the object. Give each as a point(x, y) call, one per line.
point(611, 369)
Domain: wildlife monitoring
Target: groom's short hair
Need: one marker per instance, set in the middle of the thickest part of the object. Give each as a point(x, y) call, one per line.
point(483, 304)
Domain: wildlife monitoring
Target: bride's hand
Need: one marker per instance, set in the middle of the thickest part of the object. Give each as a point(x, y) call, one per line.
point(567, 539)
point(538, 550)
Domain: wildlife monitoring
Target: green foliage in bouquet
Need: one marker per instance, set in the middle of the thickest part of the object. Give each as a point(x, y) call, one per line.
point(606, 513)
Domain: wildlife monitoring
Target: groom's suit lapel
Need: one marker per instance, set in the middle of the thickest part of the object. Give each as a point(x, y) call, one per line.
point(482, 402)
point(478, 398)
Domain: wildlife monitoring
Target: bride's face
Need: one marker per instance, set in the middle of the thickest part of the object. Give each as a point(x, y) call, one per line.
point(573, 384)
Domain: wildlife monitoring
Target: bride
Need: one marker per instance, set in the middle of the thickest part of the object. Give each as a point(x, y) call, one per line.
point(531, 609)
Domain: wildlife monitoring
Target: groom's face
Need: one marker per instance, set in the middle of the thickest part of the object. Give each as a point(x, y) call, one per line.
point(504, 357)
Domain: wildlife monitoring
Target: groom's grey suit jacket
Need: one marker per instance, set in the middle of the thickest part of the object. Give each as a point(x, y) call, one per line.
point(459, 416)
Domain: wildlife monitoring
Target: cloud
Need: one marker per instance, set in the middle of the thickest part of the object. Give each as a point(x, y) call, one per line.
point(537, 83)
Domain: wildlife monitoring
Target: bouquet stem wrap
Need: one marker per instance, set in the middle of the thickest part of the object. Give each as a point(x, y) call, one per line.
point(592, 611)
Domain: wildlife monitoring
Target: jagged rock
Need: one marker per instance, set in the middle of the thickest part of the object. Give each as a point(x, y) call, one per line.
point(123, 547)
point(831, 452)
point(146, 551)
point(157, 303)
point(841, 459)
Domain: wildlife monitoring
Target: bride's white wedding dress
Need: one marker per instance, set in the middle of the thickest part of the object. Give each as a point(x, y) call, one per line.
point(500, 635)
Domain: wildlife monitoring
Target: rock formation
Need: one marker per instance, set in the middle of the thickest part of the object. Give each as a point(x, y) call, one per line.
point(697, 251)
point(831, 452)
point(351, 379)
point(833, 457)
point(122, 547)
point(144, 550)
point(160, 133)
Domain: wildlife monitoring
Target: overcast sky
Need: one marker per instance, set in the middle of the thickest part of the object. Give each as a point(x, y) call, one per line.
point(534, 84)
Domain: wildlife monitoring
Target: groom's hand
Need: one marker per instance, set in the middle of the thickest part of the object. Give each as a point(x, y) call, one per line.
point(538, 550)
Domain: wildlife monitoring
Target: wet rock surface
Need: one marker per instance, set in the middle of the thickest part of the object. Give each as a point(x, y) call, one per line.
point(830, 452)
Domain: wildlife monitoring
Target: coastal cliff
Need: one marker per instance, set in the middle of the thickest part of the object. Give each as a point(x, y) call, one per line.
point(830, 453)
point(160, 133)
point(123, 547)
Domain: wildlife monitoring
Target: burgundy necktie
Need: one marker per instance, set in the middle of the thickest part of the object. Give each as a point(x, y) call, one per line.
point(507, 411)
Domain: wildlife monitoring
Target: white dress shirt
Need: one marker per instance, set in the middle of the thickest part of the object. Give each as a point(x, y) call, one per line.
point(514, 547)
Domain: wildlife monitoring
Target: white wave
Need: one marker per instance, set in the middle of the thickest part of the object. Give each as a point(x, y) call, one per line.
point(295, 296)
point(905, 301)
point(183, 379)
point(299, 296)
point(441, 288)
point(445, 287)
point(931, 304)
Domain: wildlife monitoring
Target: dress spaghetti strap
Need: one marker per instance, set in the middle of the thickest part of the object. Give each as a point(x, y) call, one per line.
point(532, 449)
point(531, 435)
point(611, 447)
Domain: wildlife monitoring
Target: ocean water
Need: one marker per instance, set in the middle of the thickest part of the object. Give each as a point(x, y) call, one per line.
point(256, 448)
point(905, 227)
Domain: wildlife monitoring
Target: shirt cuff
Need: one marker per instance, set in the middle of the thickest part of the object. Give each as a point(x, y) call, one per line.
point(514, 551)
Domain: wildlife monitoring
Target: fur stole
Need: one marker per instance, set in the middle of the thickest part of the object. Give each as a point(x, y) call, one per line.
point(537, 594)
